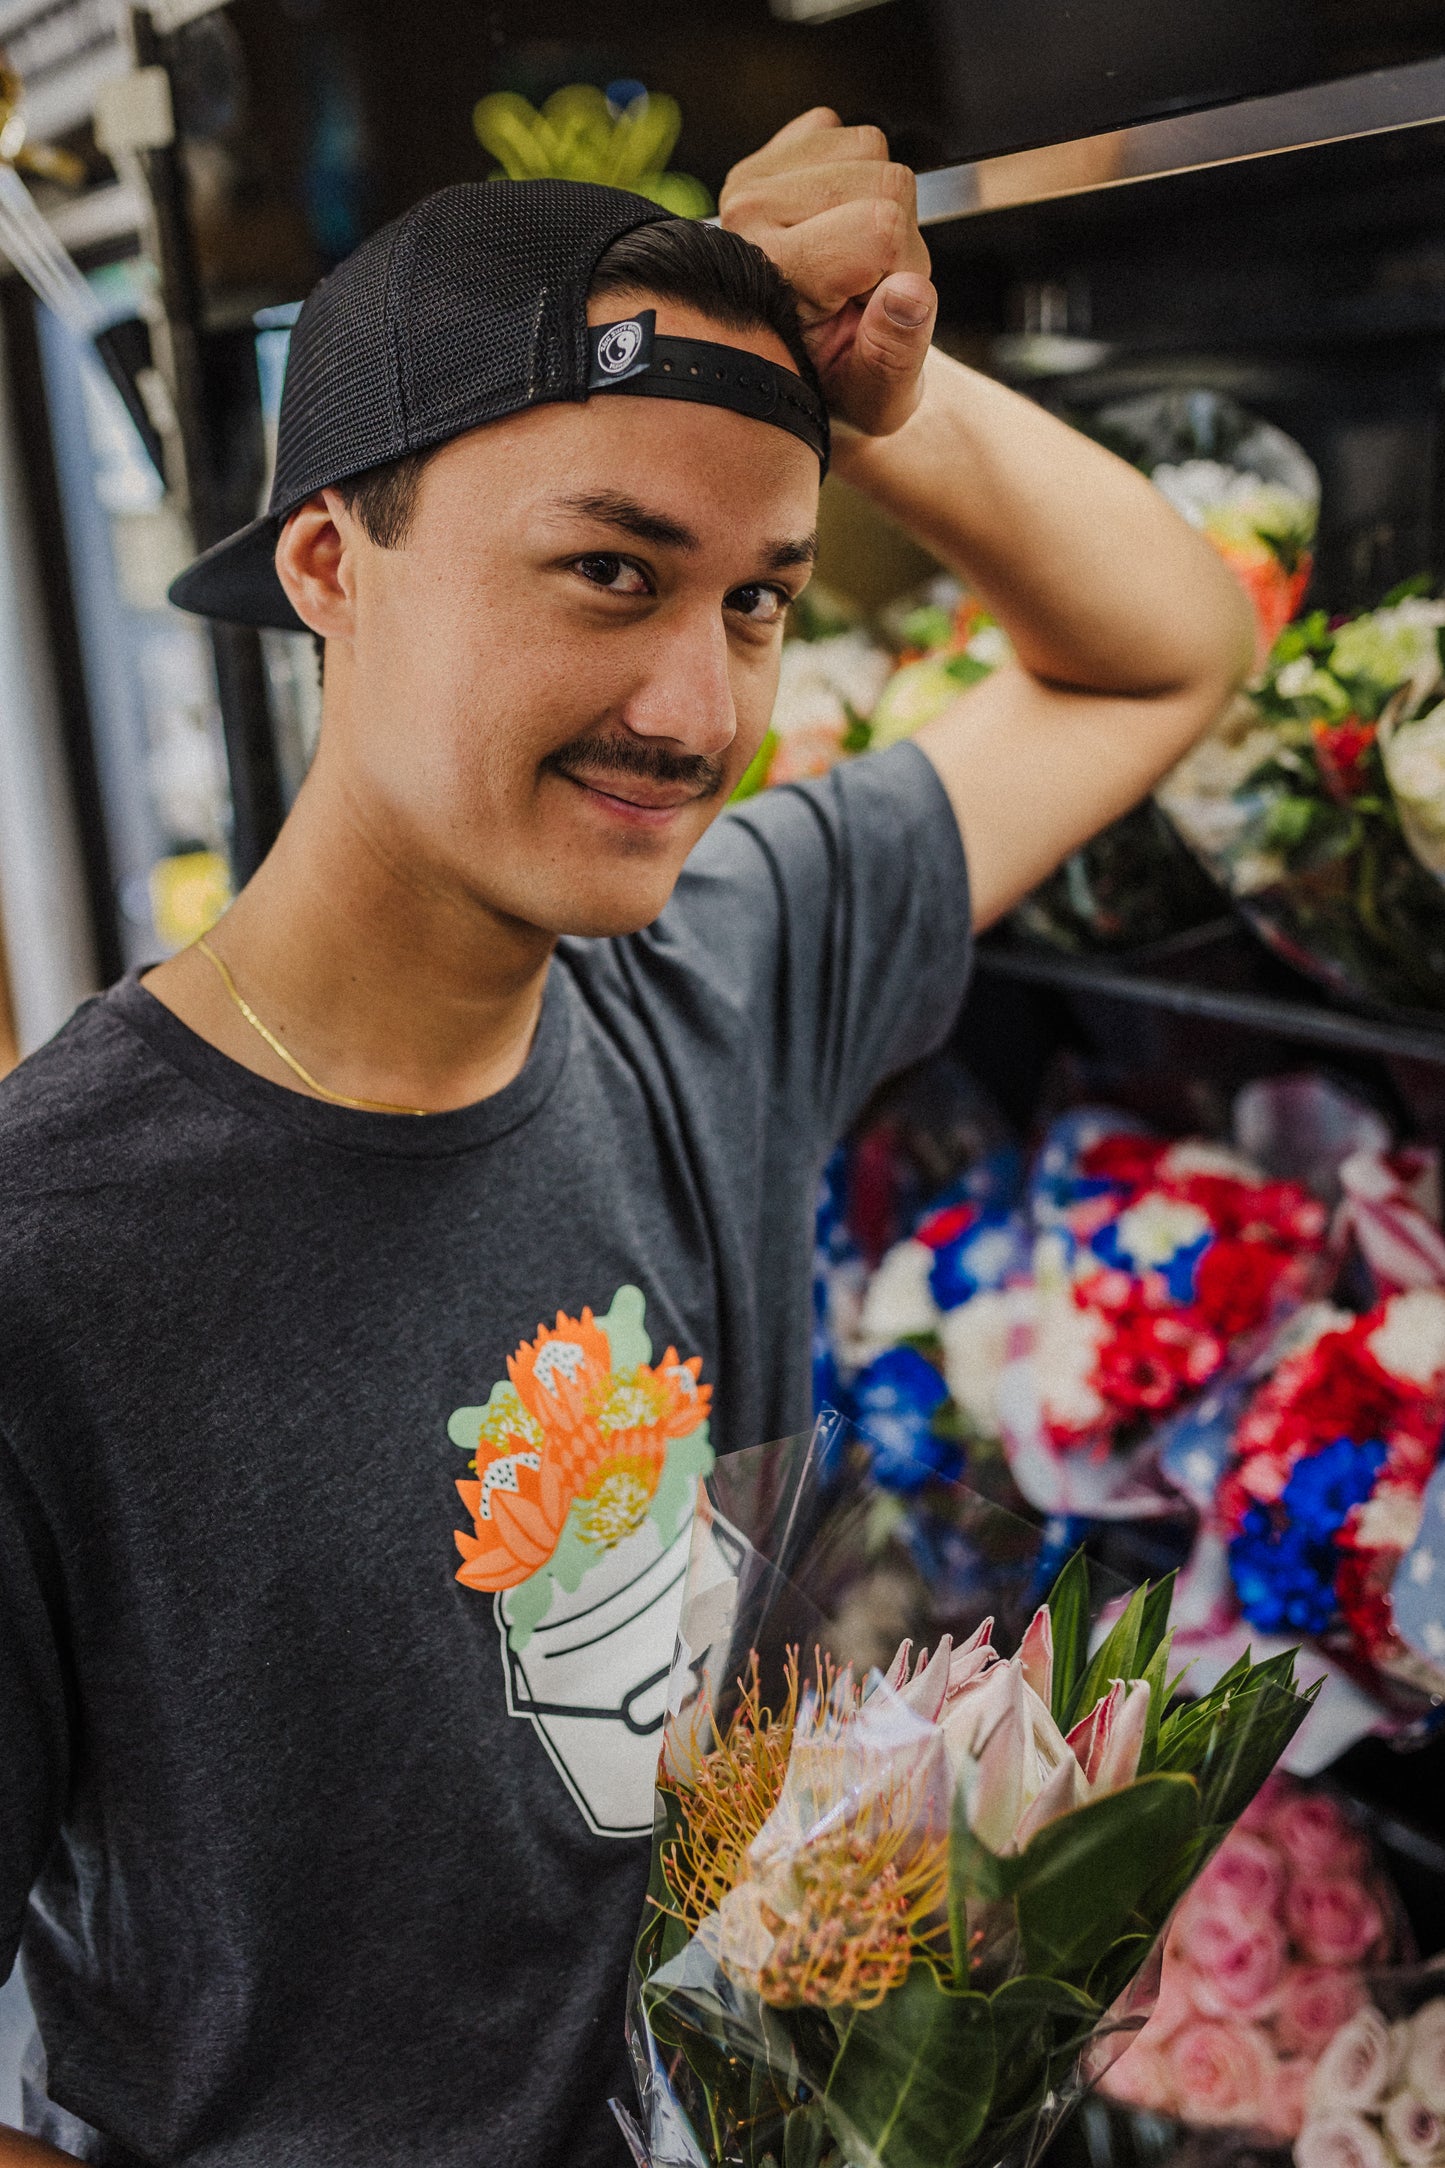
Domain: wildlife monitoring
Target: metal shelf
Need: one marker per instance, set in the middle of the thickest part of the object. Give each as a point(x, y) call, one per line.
point(1303, 1017)
point(1385, 101)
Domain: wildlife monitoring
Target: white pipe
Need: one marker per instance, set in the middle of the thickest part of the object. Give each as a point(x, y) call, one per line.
point(48, 942)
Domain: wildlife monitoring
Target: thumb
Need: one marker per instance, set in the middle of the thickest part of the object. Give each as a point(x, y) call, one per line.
point(889, 349)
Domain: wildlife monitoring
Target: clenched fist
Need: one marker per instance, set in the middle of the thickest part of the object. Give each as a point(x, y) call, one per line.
point(840, 221)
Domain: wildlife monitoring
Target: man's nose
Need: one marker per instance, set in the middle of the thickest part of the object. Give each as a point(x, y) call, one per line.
point(684, 692)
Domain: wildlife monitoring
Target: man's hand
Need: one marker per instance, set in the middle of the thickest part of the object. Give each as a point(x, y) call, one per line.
point(840, 220)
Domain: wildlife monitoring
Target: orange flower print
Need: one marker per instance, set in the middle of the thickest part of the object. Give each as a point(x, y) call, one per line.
point(570, 1434)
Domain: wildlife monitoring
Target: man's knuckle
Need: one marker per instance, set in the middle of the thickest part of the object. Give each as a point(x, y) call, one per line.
point(892, 225)
point(871, 141)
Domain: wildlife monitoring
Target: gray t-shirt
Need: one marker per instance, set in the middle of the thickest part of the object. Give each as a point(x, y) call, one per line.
point(320, 1855)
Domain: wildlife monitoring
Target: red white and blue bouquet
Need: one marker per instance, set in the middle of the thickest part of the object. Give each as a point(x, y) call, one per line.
point(1316, 1467)
point(916, 1834)
point(1067, 1325)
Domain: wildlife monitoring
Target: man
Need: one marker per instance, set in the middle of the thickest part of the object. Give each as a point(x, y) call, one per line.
point(380, 1279)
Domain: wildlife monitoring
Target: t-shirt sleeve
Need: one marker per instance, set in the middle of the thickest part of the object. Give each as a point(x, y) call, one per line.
point(836, 914)
point(34, 1728)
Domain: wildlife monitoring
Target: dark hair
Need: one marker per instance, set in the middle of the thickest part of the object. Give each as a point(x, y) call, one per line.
point(717, 273)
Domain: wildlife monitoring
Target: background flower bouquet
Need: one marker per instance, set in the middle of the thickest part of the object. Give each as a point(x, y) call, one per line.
point(1067, 1326)
point(1248, 488)
point(901, 1919)
point(1264, 1962)
point(1315, 1466)
point(847, 687)
point(1377, 2096)
point(1319, 802)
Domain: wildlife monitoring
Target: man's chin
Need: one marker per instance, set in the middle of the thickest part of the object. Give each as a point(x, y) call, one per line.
point(606, 917)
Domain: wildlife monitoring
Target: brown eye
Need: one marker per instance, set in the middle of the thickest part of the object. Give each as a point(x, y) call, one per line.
point(760, 605)
point(618, 575)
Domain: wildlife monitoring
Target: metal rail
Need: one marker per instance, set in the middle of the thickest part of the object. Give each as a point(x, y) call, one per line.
point(1379, 103)
point(1298, 1020)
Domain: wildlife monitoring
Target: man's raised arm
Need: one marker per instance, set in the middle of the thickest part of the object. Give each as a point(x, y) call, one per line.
point(1130, 633)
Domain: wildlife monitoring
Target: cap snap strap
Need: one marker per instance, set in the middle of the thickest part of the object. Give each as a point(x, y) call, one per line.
point(630, 356)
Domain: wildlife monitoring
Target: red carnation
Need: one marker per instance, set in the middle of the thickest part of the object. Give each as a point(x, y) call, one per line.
point(1345, 1393)
point(1235, 1284)
point(946, 1226)
point(1362, 1584)
point(1125, 1160)
point(1342, 750)
point(1150, 1361)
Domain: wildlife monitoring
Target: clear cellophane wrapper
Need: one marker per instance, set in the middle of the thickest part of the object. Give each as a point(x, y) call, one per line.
point(850, 1975)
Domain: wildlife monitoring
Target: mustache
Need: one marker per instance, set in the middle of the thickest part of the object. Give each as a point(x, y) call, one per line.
point(588, 758)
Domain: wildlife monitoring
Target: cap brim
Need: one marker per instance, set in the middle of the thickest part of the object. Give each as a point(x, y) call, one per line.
point(236, 582)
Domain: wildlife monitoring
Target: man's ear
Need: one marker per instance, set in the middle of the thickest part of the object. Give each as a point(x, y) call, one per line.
point(313, 564)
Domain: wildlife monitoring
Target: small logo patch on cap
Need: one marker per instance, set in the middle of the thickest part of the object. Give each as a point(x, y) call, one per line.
point(618, 347)
point(621, 350)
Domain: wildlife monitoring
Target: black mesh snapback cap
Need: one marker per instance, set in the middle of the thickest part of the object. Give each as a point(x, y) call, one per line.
point(470, 307)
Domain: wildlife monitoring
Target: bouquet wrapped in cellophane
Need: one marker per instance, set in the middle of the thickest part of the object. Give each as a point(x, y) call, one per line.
point(917, 1833)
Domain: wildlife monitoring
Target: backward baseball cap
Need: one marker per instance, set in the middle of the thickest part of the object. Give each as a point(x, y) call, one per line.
point(469, 307)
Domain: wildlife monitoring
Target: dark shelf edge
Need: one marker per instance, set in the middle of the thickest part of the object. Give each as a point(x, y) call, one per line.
point(1263, 1012)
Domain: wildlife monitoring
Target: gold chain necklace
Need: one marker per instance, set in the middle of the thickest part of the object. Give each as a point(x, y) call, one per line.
point(338, 1099)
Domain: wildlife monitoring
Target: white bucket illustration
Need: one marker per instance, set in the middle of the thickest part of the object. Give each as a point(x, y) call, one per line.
point(592, 1677)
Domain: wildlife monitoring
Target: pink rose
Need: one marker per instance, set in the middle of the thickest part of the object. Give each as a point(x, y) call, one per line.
point(1237, 1964)
point(1283, 2112)
point(1141, 2078)
point(1175, 2005)
point(1246, 1875)
point(1245, 1975)
point(1261, 1809)
point(1355, 2068)
point(1222, 2073)
point(1333, 1918)
point(1340, 2141)
point(1425, 2055)
point(1317, 2000)
point(1315, 1836)
point(1414, 2130)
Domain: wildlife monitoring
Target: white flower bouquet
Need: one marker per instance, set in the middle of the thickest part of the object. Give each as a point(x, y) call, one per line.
point(1318, 803)
point(1377, 2096)
point(903, 1905)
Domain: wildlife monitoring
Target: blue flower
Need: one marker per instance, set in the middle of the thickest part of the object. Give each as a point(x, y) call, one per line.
point(894, 1402)
point(1283, 1563)
point(1324, 1486)
point(1284, 1581)
point(985, 1255)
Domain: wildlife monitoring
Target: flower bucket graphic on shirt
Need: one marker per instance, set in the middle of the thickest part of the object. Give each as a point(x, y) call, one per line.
point(585, 1464)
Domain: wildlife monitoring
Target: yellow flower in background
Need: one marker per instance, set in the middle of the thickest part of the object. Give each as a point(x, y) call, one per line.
point(188, 893)
point(579, 136)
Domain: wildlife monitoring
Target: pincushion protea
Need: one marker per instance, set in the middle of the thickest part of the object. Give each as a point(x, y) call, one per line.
point(891, 1922)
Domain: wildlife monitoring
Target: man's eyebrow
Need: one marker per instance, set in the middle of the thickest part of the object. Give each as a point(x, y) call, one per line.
point(802, 552)
point(612, 509)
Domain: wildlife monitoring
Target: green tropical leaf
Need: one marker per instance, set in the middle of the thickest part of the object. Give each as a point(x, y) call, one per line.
point(1036, 2021)
point(805, 2137)
point(1084, 1874)
point(1154, 1625)
point(1156, 1677)
point(1069, 1618)
point(914, 2078)
point(1115, 1658)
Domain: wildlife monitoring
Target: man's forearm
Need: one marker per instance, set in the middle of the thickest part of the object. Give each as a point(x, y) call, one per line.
point(1098, 582)
point(20, 2152)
